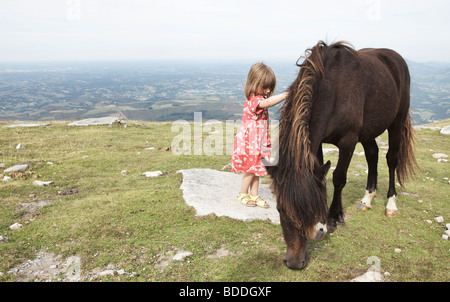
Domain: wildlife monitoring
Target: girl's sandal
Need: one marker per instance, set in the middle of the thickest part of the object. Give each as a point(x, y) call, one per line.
point(259, 201)
point(246, 200)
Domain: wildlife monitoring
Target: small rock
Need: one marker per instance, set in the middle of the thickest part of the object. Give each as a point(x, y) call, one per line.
point(369, 276)
point(429, 221)
point(6, 178)
point(121, 271)
point(439, 155)
point(447, 232)
point(19, 146)
point(15, 226)
point(109, 120)
point(398, 250)
point(447, 226)
point(153, 174)
point(53, 266)
point(107, 272)
point(439, 219)
point(3, 239)
point(42, 183)
point(17, 168)
point(445, 237)
point(124, 172)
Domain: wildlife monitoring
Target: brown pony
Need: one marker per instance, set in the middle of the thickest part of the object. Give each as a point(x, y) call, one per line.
point(341, 96)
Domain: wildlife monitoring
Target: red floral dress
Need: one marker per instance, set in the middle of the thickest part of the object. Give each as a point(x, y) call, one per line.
point(252, 140)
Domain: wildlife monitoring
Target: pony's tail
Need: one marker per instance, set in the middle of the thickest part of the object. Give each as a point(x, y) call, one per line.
point(406, 160)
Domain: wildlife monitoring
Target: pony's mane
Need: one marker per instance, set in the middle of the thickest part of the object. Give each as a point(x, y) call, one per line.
point(296, 112)
point(296, 161)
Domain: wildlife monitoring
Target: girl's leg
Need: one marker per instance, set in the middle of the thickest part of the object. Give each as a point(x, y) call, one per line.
point(246, 184)
point(254, 185)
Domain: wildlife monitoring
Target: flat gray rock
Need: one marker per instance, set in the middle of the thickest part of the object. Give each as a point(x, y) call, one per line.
point(210, 191)
point(152, 173)
point(109, 120)
point(445, 130)
point(17, 168)
point(21, 124)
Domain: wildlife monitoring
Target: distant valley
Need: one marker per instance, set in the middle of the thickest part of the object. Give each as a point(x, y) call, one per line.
point(430, 91)
point(169, 91)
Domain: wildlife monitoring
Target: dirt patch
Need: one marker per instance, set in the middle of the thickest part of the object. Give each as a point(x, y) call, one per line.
point(163, 260)
point(31, 209)
point(222, 252)
point(48, 267)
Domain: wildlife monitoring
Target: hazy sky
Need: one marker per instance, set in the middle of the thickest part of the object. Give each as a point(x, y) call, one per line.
point(224, 29)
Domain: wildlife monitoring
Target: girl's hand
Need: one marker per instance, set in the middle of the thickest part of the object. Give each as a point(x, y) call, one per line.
point(285, 95)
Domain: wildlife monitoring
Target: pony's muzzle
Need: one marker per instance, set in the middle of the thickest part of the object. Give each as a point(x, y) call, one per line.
point(297, 264)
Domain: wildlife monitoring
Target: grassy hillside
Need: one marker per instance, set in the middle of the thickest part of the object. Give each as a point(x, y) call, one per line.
point(132, 223)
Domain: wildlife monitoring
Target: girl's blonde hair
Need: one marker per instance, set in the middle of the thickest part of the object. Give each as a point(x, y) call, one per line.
point(259, 77)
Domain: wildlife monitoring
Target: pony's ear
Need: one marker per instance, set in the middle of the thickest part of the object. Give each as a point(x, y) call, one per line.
point(321, 172)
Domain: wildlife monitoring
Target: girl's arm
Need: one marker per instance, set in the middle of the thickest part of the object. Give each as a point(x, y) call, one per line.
point(273, 100)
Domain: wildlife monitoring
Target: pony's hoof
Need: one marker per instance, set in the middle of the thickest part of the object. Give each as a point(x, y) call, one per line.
point(363, 207)
point(390, 213)
point(332, 223)
point(331, 226)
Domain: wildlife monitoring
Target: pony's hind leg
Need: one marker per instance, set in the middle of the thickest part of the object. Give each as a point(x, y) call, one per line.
point(371, 153)
point(392, 162)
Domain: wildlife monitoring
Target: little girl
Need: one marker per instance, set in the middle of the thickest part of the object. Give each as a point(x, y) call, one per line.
point(252, 141)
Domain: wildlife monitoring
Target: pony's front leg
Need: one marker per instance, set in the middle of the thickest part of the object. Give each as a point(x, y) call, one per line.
point(336, 214)
point(371, 153)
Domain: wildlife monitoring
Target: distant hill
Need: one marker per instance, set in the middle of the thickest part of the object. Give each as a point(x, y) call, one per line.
point(164, 91)
point(430, 91)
